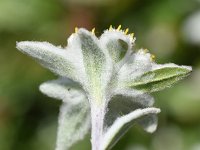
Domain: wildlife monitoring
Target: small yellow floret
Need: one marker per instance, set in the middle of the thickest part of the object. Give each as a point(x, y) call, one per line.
point(93, 31)
point(76, 29)
point(146, 50)
point(153, 57)
point(132, 35)
point(119, 27)
point(126, 31)
point(110, 28)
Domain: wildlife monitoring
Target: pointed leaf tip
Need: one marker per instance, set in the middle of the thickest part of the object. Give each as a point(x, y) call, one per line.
point(49, 56)
point(160, 78)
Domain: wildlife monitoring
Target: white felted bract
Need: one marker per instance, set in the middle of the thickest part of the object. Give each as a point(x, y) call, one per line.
point(73, 124)
point(97, 66)
point(160, 78)
point(102, 82)
point(117, 34)
point(117, 43)
point(142, 70)
point(122, 124)
point(64, 89)
point(56, 59)
point(137, 64)
point(74, 118)
point(122, 105)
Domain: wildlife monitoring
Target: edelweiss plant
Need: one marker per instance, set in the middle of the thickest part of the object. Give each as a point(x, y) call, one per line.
point(103, 83)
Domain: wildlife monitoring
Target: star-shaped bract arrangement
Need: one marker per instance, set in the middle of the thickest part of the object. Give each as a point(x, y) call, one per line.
point(104, 84)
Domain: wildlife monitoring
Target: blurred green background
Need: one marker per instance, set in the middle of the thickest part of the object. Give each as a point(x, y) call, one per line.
point(170, 29)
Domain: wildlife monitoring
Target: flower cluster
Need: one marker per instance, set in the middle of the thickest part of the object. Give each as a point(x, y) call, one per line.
point(104, 84)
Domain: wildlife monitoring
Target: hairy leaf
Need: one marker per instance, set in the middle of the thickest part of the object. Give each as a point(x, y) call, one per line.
point(105, 76)
point(54, 58)
point(122, 124)
point(74, 118)
point(64, 89)
point(95, 63)
point(159, 79)
point(73, 125)
point(122, 105)
point(117, 49)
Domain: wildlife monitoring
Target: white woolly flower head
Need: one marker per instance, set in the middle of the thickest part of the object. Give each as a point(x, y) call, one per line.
point(103, 84)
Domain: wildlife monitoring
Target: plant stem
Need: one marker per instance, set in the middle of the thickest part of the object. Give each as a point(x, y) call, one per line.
point(97, 113)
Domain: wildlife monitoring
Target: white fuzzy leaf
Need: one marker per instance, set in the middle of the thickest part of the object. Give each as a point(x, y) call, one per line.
point(116, 43)
point(74, 118)
point(74, 123)
point(64, 89)
point(117, 49)
point(137, 64)
point(160, 78)
point(122, 124)
point(54, 58)
point(142, 74)
point(122, 105)
point(97, 65)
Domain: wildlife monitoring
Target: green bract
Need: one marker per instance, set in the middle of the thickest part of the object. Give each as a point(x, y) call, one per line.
point(104, 85)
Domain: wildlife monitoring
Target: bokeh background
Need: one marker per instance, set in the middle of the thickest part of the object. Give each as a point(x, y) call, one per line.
point(170, 29)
